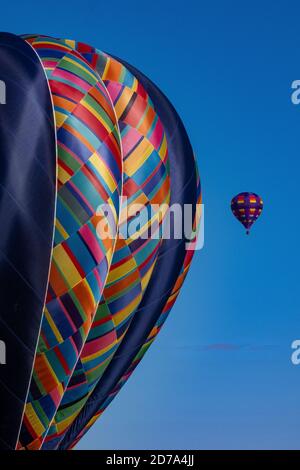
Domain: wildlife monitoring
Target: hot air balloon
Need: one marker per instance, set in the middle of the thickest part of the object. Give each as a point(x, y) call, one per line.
point(81, 310)
point(247, 207)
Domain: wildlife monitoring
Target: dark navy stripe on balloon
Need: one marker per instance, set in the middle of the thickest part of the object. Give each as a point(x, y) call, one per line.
point(27, 206)
point(170, 259)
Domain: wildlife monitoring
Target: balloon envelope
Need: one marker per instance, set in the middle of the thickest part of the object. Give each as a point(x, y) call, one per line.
point(247, 207)
point(80, 310)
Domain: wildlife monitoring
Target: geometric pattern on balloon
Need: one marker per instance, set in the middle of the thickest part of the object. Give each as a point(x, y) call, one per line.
point(89, 173)
point(146, 182)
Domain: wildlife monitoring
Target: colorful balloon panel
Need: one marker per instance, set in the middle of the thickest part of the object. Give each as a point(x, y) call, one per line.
point(146, 182)
point(109, 141)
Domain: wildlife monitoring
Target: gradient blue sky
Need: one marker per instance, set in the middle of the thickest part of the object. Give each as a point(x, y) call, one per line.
point(228, 67)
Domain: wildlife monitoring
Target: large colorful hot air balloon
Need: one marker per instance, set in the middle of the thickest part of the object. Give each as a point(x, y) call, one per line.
point(79, 311)
point(247, 207)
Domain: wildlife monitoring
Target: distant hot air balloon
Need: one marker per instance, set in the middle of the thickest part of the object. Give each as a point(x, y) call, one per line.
point(247, 207)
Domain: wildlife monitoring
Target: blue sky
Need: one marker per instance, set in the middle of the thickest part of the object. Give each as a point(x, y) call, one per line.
point(228, 68)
